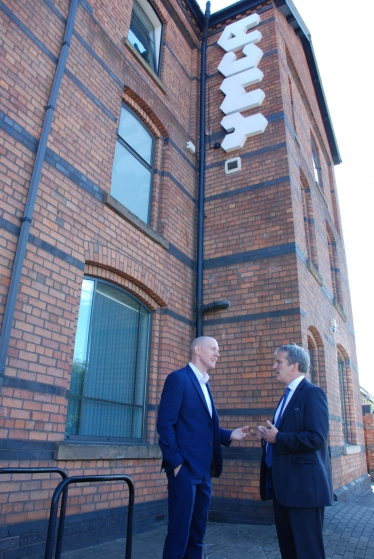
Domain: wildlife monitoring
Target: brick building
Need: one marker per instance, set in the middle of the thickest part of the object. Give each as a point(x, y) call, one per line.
point(100, 282)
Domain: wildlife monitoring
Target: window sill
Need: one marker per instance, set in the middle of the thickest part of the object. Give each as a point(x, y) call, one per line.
point(79, 451)
point(340, 310)
point(352, 449)
point(134, 220)
point(153, 75)
point(315, 273)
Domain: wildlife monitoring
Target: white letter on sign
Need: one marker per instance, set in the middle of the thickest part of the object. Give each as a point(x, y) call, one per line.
point(244, 128)
point(240, 74)
point(229, 65)
point(237, 99)
point(235, 36)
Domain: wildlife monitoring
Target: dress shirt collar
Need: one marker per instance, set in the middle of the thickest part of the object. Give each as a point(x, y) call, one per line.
point(295, 383)
point(203, 379)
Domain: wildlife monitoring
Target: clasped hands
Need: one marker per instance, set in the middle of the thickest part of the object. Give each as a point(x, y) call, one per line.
point(268, 433)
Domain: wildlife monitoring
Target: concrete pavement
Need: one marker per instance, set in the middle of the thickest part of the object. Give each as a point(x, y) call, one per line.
point(348, 534)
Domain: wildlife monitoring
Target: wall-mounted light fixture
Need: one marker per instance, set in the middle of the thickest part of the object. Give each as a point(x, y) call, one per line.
point(191, 148)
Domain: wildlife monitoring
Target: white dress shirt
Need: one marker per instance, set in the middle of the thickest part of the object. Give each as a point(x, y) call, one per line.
point(203, 379)
point(292, 386)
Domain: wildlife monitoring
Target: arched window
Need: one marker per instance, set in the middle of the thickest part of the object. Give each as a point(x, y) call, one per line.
point(110, 365)
point(312, 350)
point(317, 372)
point(309, 225)
point(133, 165)
point(292, 104)
point(343, 385)
point(334, 267)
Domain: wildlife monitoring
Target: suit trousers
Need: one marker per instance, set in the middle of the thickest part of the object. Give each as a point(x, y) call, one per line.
point(188, 506)
point(299, 531)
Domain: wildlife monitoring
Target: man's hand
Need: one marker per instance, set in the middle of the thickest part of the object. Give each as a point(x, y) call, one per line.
point(239, 433)
point(176, 470)
point(268, 433)
point(261, 432)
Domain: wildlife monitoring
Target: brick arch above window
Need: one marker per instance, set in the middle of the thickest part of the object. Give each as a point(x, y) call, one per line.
point(317, 357)
point(342, 352)
point(113, 266)
point(144, 112)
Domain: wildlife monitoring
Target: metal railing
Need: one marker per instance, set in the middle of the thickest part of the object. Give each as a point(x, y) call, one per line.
point(64, 476)
point(62, 488)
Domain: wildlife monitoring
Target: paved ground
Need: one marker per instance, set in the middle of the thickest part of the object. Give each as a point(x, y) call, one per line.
point(348, 534)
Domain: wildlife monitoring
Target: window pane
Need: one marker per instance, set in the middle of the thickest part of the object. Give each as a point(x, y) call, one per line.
point(108, 383)
point(137, 423)
point(135, 135)
point(101, 419)
point(142, 358)
point(114, 334)
point(81, 339)
point(131, 182)
point(80, 357)
point(341, 366)
point(141, 35)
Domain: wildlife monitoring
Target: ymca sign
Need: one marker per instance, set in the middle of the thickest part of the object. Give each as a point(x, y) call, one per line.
point(239, 74)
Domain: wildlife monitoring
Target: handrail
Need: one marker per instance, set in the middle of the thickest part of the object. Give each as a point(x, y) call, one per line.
point(86, 479)
point(64, 476)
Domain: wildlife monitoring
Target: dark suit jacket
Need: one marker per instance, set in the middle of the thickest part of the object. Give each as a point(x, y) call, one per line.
point(301, 473)
point(188, 434)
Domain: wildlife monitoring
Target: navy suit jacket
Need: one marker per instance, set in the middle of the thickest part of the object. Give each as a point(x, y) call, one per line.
point(187, 433)
point(301, 473)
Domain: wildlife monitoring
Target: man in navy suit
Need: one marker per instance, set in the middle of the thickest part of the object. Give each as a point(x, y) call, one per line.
point(295, 466)
point(190, 440)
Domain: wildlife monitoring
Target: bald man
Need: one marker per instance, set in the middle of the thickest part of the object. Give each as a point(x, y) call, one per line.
point(190, 440)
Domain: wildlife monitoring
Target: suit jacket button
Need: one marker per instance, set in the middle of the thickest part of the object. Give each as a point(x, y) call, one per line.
point(210, 444)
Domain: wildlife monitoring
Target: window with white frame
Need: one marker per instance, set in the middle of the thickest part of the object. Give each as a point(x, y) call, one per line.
point(107, 397)
point(145, 33)
point(133, 165)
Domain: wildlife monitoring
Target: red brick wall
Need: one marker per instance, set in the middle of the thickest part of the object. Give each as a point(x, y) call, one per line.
point(274, 297)
point(75, 222)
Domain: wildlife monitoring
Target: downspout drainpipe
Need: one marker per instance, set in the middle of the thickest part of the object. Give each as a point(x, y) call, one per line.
point(200, 224)
point(26, 220)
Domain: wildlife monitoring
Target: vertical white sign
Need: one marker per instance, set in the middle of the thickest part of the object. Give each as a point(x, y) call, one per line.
point(238, 75)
